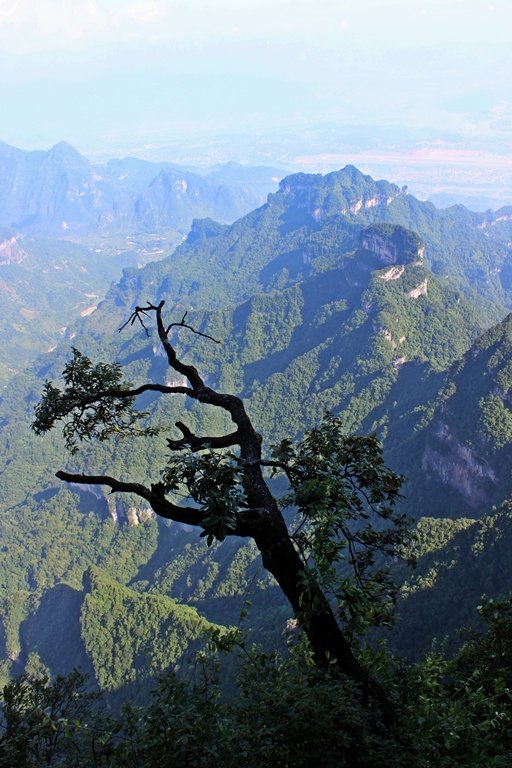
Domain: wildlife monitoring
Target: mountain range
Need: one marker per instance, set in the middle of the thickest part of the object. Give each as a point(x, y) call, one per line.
point(69, 227)
point(59, 193)
point(339, 293)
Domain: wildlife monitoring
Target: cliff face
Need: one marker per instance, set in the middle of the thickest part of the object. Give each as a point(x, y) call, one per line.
point(463, 455)
point(500, 221)
point(391, 244)
point(457, 465)
point(119, 509)
point(11, 251)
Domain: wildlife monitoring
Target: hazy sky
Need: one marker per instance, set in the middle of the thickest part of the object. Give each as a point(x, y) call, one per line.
point(111, 72)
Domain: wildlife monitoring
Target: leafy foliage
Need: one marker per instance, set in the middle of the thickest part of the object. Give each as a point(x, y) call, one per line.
point(214, 482)
point(345, 496)
point(47, 722)
point(496, 420)
point(462, 709)
point(94, 412)
point(285, 711)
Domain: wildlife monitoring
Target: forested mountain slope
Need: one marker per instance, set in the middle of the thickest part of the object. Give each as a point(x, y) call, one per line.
point(322, 299)
point(464, 438)
point(45, 285)
point(305, 228)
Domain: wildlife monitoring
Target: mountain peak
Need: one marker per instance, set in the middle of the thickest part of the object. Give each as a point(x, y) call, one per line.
point(345, 192)
point(66, 154)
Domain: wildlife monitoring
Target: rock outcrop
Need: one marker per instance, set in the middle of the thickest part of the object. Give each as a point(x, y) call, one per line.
point(392, 245)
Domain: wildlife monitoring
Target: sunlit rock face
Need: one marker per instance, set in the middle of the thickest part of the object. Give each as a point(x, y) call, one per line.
point(11, 251)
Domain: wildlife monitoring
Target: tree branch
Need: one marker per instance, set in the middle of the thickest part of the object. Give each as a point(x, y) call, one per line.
point(248, 439)
point(154, 496)
point(122, 394)
point(195, 443)
point(251, 510)
point(189, 371)
point(183, 324)
point(290, 472)
point(138, 311)
point(136, 315)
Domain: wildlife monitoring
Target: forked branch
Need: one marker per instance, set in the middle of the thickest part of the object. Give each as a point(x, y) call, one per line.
point(140, 312)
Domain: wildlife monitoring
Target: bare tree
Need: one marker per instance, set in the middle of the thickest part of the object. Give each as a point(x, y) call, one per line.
point(338, 486)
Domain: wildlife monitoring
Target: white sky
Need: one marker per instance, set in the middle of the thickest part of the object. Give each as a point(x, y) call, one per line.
point(61, 24)
point(92, 70)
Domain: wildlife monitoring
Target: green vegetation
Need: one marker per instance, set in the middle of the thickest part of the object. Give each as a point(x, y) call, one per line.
point(338, 485)
point(46, 285)
point(286, 711)
point(308, 323)
point(457, 561)
point(140, 635)
point(467, 461)
point(496, 421)
point(310, 225)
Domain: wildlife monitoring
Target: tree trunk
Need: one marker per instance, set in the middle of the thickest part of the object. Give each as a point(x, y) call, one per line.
point(316, 616)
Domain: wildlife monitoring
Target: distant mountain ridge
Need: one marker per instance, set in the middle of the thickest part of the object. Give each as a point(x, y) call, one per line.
point(307, 226)
point(345, 192)
point(126, 211)
point(59, 193)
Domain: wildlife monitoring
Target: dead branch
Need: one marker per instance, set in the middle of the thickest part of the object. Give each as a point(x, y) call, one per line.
point(183, 324)
point(138, 312)
point(136, 315)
